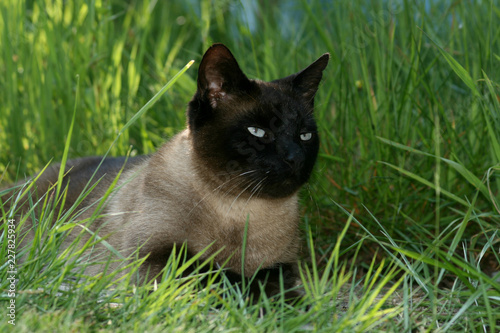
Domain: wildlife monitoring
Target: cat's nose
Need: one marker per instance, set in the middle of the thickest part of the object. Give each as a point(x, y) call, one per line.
point(294, 159)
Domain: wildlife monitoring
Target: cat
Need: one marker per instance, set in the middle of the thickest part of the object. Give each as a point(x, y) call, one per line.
point(248, 147)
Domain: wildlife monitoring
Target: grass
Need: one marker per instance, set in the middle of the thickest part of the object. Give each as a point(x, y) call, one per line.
point(400, 219)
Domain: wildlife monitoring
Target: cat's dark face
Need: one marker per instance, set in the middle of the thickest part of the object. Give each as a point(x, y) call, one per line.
point(258, 138)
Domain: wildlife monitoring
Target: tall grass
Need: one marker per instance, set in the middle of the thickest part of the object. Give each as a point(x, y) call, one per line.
point(401, 216)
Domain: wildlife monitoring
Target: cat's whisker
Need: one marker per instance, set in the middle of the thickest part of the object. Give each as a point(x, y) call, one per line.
point(239, 183)
point(258, 186)
point(239, 173)
point(257, 189)
point(252, 182)
point(233, 178)
point(237, 197)
point(216, 191)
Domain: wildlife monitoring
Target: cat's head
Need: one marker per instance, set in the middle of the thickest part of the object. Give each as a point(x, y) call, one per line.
point(255, 138)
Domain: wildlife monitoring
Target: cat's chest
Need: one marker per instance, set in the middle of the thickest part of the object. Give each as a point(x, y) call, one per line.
point(262, 215)
point(270, 229)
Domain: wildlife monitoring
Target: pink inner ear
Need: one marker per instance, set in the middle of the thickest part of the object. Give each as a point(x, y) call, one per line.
point(215, 93)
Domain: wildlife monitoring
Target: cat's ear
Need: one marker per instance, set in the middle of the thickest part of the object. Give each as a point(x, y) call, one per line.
point(219, 75)
point(306, 82)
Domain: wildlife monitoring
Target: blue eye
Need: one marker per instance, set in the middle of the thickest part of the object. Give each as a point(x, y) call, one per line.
point(258, 132)
point(306, 136)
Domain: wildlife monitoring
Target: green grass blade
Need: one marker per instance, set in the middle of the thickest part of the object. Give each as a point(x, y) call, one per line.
point(64, 159)
point(469, 176)
point(427, 183)
point(457, 68)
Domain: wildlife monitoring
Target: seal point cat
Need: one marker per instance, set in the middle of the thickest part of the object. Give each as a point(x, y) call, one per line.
point(248, 147)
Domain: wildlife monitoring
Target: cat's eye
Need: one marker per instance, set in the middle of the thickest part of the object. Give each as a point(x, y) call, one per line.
point(258, 132)
point(306, 136)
